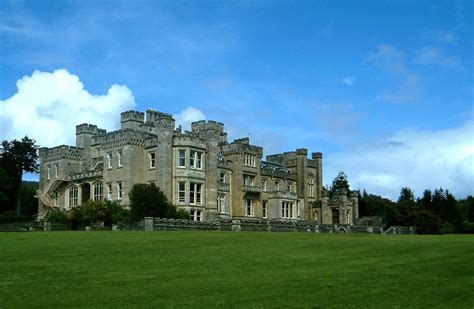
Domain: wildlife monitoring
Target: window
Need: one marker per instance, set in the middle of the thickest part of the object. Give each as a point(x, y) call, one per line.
point(249, 208)
point(287, 210)
point(195, 159)
point(56, 170)
point(222, 177)
point(109, 160)
point(98, 189)
point(310, 185)
point(249, 159)
point(277, 185)
point(264, 184)
point(48, 172)
point(181, 192)
point(152, 157)
point(182, 158)
point(73, 193)
point(119, 158)
point(221, 203)
point(119, 190)
point(289, 186)
point(196, 215)
point(109, 191)
point(249, 180)
point(264, 209)
point(195, 192)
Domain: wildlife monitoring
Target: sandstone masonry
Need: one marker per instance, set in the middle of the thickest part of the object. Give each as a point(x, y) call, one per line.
point(199, 171)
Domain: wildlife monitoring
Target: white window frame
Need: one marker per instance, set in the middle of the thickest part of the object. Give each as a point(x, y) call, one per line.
point(109, 191)
point(181, 192)
point(119, 190)
point(249, 159)
point(48, 172)
point(109, 160)
point(73, 196)
point(195, 193)
point(249, 180)
point(264, 184)
point(181, 159)
point(119, 158)
point(221, 197)
point(287, 210)
point(195, 159)
point(98, 191)
point(249, 207)
point(56, 170)
point(152, 159)
point(222, 177)
point(277, 185)
point(196, 215)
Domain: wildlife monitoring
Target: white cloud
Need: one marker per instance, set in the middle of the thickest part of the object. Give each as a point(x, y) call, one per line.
point(348, 80)
point(391, 60)
point(430, 55)
point(440, 36)
point(189, 115)
point(417, 159)
point(48, 106)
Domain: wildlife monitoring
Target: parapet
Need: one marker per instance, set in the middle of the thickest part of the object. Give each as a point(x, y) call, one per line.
point(86, 128)
point(60, 152)
point(132, 115)
point(245, 141)
point(202, 125)
point(159, 119)
point(302, 152)
point(316, 155)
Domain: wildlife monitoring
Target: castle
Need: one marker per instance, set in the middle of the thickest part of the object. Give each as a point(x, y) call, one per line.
point(199, 171)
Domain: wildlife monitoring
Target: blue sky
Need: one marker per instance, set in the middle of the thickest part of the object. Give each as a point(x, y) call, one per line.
point(383, 88)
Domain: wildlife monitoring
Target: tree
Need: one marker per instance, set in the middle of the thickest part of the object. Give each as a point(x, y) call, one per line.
point(339, 183)
point(147, 200)
point(16, 158)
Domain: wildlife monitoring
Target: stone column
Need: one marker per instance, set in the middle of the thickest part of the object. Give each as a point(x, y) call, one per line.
point(148, 224)
point(47, 226)
point(236, 227)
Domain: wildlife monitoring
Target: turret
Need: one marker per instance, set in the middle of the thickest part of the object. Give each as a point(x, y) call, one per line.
point(131, 119)
point(160, 120)
point(84, 134)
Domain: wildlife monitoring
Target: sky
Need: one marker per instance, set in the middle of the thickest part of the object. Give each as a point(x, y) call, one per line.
point(384, 89)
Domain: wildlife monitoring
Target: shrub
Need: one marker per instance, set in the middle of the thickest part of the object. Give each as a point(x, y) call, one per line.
point(147, 200)
point(58, 216)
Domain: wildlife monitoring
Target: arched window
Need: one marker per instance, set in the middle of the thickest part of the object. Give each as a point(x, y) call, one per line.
point(73, 194)
point(310, 185)
point(98, 191)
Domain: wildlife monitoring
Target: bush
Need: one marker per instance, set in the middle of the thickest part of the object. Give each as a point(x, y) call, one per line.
point(58, 216)
point(98, 211)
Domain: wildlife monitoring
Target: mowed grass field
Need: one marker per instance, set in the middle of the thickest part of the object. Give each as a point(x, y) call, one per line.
point(225, 269)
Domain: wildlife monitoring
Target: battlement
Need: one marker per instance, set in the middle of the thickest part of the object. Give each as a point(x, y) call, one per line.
point(132, 115)
point(202, 125)
point(245, 141)
point(316, 155)
point(86, 128)
point(159, 119)
point(120, 138)
point(242, 145)
point(60, 152)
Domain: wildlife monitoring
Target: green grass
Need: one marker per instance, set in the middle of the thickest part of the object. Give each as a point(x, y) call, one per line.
point(225, 269)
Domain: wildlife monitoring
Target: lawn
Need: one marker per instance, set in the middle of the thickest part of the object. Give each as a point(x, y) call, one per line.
point(225, 269)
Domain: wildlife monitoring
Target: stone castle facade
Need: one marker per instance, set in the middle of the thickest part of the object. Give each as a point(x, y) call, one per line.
point(199, 171)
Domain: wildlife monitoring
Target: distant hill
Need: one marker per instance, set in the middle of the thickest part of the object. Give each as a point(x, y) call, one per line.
point(34, 184)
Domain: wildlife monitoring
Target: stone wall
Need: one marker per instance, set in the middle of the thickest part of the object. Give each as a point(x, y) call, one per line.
point(242, 224)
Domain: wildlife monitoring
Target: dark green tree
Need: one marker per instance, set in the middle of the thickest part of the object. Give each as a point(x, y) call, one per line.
point(147, 200)
point(339, 183)
point(16, 158)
